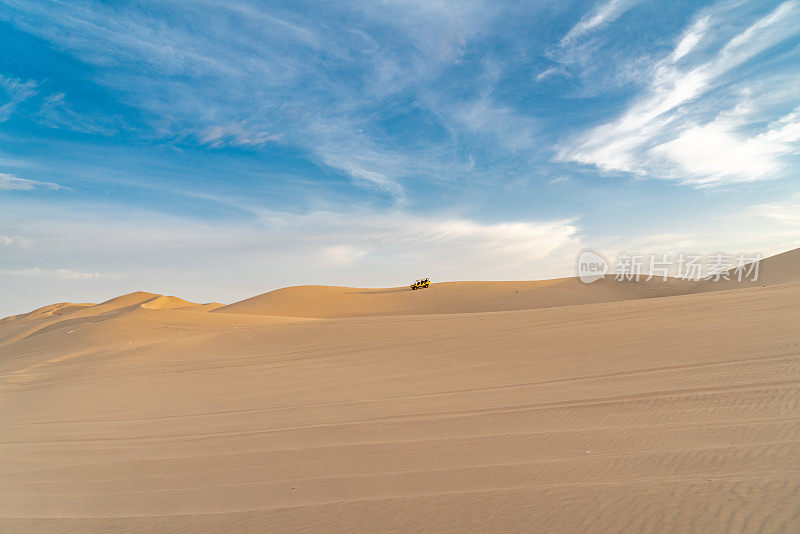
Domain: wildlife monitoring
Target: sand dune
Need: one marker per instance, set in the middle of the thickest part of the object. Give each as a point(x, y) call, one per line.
point(317, 301)
point(471, 297)
point(447, 297)
point(146, 300)
point(46, 311)
point(450, 297)
point(71, 316)
point(537, 406)
point(782, 268)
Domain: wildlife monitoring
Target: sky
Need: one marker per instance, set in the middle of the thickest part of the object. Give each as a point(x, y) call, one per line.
point(216, 150)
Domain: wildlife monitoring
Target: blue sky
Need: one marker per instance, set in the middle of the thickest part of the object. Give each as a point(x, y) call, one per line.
point(218, 149)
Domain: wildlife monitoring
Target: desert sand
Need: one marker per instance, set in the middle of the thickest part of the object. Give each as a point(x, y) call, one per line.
point(549, 406)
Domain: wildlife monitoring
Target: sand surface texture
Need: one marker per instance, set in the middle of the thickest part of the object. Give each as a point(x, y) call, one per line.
point(473, 406)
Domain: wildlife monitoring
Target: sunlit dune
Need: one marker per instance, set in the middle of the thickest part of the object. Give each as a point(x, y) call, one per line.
point(549, 406)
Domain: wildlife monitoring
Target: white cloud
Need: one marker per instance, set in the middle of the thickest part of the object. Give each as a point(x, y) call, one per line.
point(665, 133)
point(577, 48)
point(600, 16)
point(54, 112)
point(439, 29)
point(10, 182)
point(367, 165)
point(690, 39)
point(327, 84)
point(515, 244)
point(716, 152)
point(361, 159)
point(342, 255)
point(450, 247)
point(17, 92)
point(237, 134)
point(786, 212)
point(509, 128)
point(549, 73)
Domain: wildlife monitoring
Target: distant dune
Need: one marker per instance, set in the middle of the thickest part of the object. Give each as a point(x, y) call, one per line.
point(316, 301)
point(782, 268)
point(447, 297)
point(472, 297)
point(549, 406)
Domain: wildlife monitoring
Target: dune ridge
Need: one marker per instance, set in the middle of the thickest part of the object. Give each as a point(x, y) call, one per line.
point(319, 301)
point(473, 297)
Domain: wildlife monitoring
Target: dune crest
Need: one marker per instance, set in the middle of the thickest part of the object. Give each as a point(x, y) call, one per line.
point(783, 268)
point(476, 297)
point(318, 301)
point(163, 302)
point(447, 297)
point(69, 315)
point(50, 310)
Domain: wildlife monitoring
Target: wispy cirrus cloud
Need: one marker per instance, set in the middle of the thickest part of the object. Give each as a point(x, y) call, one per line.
point(579, 44)
point(260, 75)
point(603, 14)
point(10, 182)
point(53, 109)
point(785, 211)
point(55, 112)
point(236, 134)
point(690, 39)
point(675, 130)
point(485, 117)
point(16, 91)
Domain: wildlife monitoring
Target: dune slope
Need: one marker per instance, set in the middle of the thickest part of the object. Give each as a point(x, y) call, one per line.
point(782, 268)
point(448, 297)
point(68, 313)
point(671, 414)
point(471, 297)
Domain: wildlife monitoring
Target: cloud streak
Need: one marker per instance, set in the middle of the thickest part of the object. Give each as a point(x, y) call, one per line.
point(10, 182)
point(578, 48)
point(664, 135)
point(261, 75)
point(16, 92)
point(603, 14)
point(55, 112)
